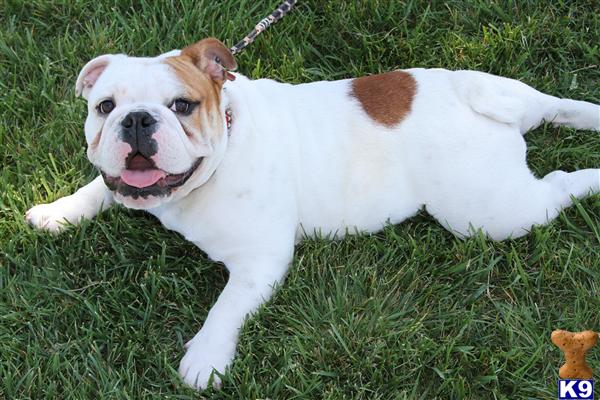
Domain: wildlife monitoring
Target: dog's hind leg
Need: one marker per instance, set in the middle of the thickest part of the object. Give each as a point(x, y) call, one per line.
point(517, 204)
point(572, 113)
point(513, 102)
point(578, 184)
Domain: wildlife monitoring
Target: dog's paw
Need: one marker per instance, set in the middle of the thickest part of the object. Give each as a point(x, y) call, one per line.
point(49, 217)
point(201, 360)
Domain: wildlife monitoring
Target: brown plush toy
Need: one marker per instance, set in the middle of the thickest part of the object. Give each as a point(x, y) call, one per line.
point(574, 345)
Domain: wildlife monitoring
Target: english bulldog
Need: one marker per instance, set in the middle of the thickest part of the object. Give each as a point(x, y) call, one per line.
point(246, 168)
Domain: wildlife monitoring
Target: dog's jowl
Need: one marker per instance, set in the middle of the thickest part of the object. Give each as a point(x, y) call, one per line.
point(244, 168)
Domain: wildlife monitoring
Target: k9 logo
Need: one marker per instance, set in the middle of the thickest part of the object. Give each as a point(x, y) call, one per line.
point(569, 389)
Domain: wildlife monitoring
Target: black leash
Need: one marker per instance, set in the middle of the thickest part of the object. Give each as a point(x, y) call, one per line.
point(275, 16)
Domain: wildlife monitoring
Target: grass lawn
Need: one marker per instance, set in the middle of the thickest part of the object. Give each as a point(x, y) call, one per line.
point(103, 310)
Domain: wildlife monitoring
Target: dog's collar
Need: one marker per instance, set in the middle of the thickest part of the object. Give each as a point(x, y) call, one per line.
point(228, 119)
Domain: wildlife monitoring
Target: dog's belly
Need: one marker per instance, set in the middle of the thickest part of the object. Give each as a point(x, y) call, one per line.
point(361, 189)
point(366, 219)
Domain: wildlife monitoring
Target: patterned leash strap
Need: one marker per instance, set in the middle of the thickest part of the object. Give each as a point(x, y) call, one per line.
point(275, 16)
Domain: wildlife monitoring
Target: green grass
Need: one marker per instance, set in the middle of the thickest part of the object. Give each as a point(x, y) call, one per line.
point(103, 310)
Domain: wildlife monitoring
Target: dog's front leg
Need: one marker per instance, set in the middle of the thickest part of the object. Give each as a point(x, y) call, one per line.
point(250, 284)
point(83, 204)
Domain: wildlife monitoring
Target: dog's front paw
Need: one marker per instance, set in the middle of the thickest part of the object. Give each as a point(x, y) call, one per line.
point(201, 359)
point(50, 217)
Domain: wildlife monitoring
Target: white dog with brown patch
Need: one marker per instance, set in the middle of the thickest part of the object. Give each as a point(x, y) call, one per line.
point(244, 168)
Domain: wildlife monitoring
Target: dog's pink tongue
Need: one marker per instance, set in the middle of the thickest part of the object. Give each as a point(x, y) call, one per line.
point(142, 179)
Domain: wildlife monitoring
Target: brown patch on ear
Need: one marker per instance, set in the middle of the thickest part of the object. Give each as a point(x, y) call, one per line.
point(212, 57)
point(386, 98)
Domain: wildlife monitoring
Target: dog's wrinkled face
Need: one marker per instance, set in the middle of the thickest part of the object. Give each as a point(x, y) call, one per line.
point(155, 125)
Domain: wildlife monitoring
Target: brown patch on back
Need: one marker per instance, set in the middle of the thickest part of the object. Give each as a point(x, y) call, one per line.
point(386, 98)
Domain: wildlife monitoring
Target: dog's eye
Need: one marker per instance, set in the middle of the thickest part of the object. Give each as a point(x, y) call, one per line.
point(106, 106)
point(182, 106)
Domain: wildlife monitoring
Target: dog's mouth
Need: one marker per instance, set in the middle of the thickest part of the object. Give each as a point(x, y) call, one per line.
point(142, 178)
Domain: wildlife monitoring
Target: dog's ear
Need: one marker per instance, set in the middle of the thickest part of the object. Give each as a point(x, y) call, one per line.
point(212, 57)
point(90, 74)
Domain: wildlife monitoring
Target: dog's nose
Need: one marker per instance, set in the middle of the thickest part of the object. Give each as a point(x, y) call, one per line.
point(138, 128)
point(138, 119)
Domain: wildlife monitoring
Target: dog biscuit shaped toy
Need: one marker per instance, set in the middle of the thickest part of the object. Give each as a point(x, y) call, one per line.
point(574, 345)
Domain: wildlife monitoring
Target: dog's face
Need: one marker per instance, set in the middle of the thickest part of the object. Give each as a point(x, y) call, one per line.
point(155, 126)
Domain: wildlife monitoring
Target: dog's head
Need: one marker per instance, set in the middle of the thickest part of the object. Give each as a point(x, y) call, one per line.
point(155, 126)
